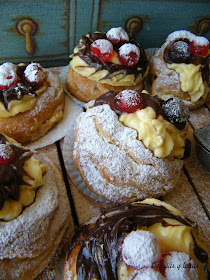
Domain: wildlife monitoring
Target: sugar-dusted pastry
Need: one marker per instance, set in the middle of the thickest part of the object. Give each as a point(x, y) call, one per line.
point(143, 240)
point(106, 61)
point(31, 101)
point(181, 68)
point(34, 211)
point(130, 145)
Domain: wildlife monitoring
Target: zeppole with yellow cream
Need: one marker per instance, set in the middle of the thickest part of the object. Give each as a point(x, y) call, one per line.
point(31, 101)
point(180, 68)
point(106, 61)
point(130, 145)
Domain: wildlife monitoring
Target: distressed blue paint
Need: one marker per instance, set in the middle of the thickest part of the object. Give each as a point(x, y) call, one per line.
point(55, 43)
point(50, 37)
point(164, 17)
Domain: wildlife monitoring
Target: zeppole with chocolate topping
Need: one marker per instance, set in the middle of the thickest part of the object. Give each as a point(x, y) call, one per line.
point(181, 68)
point(106, 61)
point(31, 101)
point(130, 145)
point(34, 211)
point(142, 240)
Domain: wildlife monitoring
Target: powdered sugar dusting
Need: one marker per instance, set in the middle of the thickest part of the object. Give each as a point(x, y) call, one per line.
point(128, 98)
point(8, 74)
point(140, 248)
point(103, 45)
point(183, 266)
point(176, 111)
point(114, 164)
point(30, 240)
point(117, 33)
point(5, 151)
point(34, 73)
point(184, 34)
point(127, 48)
point(148, 274)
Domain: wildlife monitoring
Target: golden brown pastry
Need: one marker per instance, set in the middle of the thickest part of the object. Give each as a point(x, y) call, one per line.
point(143, 240)
point(181, 68)
point(103, 62)
point(129, 145)
point(34, 211)
point(31, 101)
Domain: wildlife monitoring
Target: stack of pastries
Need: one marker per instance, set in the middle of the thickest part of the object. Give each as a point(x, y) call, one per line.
point(129, 146)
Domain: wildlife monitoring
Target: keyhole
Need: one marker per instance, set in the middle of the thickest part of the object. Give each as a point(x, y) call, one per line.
point(27, 27)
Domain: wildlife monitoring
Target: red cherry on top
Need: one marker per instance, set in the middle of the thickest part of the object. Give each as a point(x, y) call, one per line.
point(7, 154)
point(129, 54)
point(116, 35)
point(33, 75)
point(128, 101)
point(8, 75)
point(199, 50)
point(102, 49)
point(5, 87)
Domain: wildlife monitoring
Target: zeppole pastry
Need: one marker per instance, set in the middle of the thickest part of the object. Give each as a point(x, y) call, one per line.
point(31, 101)
point(181, 68)
point(34, 211)
point(143, 240)
point(106, 61)
point(130, 145)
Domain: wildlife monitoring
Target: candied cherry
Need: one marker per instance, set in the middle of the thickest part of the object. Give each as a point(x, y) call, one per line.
point(7, 154)
point(128, 101)
point(180, 52)
point(116, 35)
point(129, 54)
point(102, 49)
point(199, 50)
point(8, 75)
point(34, 75)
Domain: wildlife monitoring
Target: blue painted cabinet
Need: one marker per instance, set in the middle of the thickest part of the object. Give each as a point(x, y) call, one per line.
point(47, 31)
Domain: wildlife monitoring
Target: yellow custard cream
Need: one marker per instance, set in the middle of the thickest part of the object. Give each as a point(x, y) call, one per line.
point(157, 134)
point(19, 106)
point(190, 79)
point(13, 208)
point(118, 78)
point(176, 236)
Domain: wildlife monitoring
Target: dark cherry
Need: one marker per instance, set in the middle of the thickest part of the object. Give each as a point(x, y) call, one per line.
point(179, 52)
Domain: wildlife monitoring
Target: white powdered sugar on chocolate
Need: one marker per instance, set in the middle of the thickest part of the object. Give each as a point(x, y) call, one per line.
point(8, 74)
point(114, 164)
point(34, 73)
point(5, 151)
point(166, 82)
point(117, 33)
point(140, 249)
point(127, 48)
point(184, 34)
point(176, 111)
point(183, 267)
point(148, 274)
